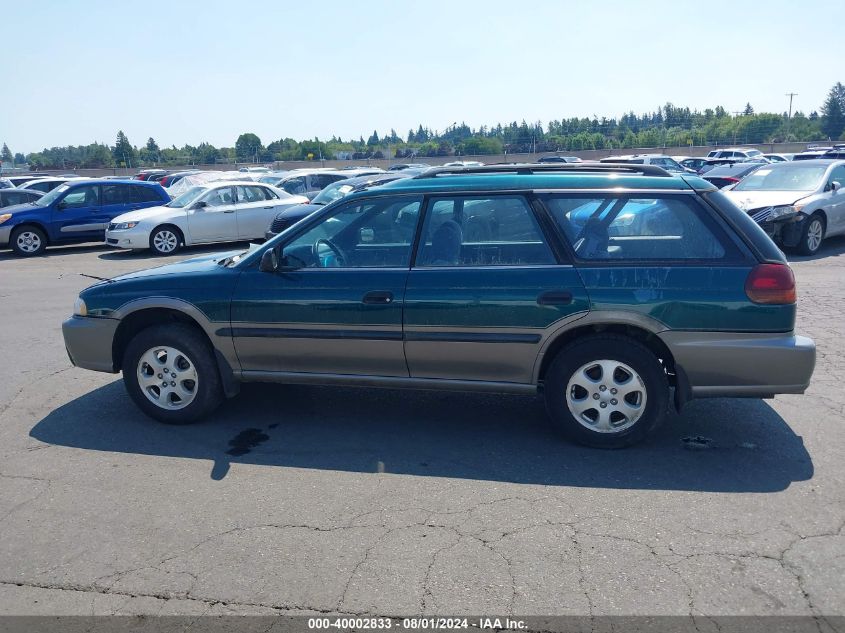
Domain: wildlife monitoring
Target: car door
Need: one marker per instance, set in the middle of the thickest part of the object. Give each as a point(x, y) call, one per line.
point(255, 209)
point(836, 212)
point(212, 217)
point(78, 216)
point(486, 290)
point(334, 306)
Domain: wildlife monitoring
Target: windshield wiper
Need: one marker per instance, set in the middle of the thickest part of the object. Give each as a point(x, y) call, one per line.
point(95, 277)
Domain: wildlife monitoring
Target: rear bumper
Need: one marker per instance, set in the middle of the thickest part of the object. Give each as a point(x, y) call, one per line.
point(745, 365)
point(89, 341)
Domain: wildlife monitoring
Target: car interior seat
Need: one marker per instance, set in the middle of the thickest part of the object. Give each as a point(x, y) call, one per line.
point(446, 244)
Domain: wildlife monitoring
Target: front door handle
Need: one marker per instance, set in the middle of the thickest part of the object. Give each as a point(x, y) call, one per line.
point(378, 297)
point(229, 211)
point(555, 298)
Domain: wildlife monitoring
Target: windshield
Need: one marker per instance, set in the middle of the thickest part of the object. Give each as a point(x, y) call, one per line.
point(47, 199)
point(334, 191)
point(783, 178)
point(186, 198)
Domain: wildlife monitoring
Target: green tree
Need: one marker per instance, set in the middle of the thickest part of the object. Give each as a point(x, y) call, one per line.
point(20, 159)
point(247, 147)
point(833, 114)
point(123, 152)
point(6, 154)
point(373, 140)
point(748, 110)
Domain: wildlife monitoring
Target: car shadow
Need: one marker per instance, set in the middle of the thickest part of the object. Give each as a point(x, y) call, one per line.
point(831, 247)
point(53, 251)
point(716, 445)
point(185, 253)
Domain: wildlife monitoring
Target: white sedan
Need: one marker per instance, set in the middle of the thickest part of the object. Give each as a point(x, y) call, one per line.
point(222, 211)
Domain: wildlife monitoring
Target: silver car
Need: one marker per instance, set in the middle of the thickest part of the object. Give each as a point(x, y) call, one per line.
point(219, 211)
point(797, 203)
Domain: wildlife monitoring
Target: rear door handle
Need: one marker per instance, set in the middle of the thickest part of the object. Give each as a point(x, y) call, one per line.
point(269, 207)
point(555, 298)
point(382, 297)
point(229, 211)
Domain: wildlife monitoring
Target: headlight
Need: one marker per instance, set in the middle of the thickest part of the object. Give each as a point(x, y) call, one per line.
point(781, 212)
point(4, 217)
point(79, 307)
point(123, 226)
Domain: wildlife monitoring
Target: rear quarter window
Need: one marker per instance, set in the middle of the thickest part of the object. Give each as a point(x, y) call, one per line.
point(614, 228)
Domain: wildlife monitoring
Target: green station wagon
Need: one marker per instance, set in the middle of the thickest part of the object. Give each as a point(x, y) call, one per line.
point(614, 290)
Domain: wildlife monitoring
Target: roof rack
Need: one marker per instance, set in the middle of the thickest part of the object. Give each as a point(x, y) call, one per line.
point(542, 168)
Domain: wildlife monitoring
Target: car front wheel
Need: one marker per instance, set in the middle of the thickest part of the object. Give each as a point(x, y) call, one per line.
point(165, 240)
point(606, 391)
point(28, 241)
point(812, 235)
point(170, 372)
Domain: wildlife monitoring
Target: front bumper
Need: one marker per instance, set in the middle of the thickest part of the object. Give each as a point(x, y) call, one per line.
point(748, 365)
point(787, 231)
point(130, 238)
point(88, 341)
point(5, 232)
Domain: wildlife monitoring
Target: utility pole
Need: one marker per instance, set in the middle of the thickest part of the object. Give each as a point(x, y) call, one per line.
point(789, 116)
point(736, 113)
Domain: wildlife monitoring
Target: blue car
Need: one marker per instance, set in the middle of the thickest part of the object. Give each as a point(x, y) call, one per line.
point(77, 211)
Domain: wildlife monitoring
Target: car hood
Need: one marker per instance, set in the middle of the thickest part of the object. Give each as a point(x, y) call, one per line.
point(22, 208)
point(144, 214)
point(202, 264)
point(746, 200)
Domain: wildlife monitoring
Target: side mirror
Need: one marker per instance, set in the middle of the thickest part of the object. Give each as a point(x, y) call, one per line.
point(200, 205)
point(835, 185)
point(269, 261)
point(62, 205)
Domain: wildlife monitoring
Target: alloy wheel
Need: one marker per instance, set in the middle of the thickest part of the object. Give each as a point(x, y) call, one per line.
point(165, 241)
point(606, 396)
point(814, 234)
point(167, 377)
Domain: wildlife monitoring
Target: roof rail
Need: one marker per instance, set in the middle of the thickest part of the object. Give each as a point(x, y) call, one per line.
point(542, 168)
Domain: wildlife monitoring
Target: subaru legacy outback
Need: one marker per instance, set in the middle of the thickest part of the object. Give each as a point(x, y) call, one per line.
point(615, 290)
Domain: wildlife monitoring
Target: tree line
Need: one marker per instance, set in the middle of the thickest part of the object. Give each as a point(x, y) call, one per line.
point(667, 126)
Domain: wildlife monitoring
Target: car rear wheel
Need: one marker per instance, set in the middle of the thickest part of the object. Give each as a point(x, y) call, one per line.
point(812, 235)
point(170, 373)
point(606, 391)
point(165, 240)
point(28, 241)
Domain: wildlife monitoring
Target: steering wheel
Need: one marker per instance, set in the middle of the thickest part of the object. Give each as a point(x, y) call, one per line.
point(340, 256)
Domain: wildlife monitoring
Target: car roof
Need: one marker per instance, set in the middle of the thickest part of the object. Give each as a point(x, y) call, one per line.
point(111, 181)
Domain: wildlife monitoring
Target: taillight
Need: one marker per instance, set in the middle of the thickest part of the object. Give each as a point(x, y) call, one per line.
point(771, 284)
point(730, 179)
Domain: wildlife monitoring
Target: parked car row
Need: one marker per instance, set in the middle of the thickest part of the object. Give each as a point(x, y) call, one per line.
point(809, 206)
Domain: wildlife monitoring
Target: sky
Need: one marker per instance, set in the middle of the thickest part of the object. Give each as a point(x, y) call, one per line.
point(187, 72)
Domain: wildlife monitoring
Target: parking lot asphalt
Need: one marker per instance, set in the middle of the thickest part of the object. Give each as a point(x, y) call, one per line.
point(304, 499)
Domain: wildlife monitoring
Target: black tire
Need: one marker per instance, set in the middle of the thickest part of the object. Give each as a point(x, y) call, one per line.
point(817, 225)
point(160, 236)
point(198, 352)
point(616, 348)
point(34, 241)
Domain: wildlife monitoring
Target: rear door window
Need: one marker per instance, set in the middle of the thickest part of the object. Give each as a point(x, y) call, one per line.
point(144, 194)
point(640, 228)
point(482, 231)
